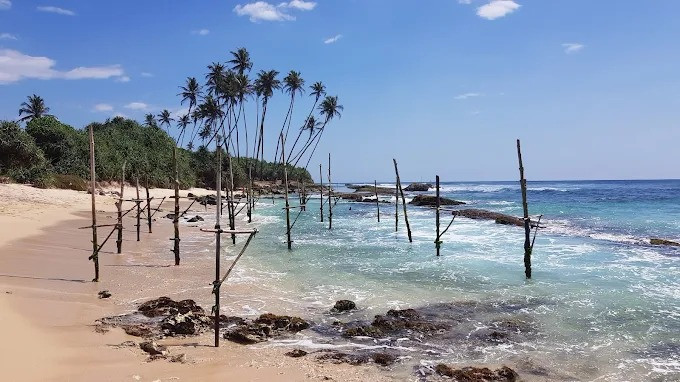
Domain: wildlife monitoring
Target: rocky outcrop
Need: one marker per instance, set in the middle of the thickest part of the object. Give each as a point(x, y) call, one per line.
point(343, 306)
point(379, 358)
point(264, 327)
point(655, 241)
point(418, 187)
point(195, 219)
point(104, 294)
point(499, 218)
point(477, 374)
point(371, 189)
point(431, 201)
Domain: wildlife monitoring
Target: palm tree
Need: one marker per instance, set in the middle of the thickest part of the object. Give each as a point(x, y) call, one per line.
point(164, 118)
point(195, 116)
point(241, 61)
point(215, 77)
point(293, 83)
point(329, 109)
point(265, 84)
point(34, 108)
point(242, 89)
point(318, 91)
point(150, 120)
point(183, 122)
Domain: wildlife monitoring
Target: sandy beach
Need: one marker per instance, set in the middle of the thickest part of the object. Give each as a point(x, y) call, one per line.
point(49, 305)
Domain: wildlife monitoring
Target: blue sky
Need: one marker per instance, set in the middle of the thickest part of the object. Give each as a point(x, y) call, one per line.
point(445, 86)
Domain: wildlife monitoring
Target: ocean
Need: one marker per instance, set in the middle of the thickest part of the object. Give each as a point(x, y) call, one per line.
point(603, 304)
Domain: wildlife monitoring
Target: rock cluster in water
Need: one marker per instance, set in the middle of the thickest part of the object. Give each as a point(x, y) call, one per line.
point(418, 187)
point(477, 374)
point(431, 201)
point(263, 328)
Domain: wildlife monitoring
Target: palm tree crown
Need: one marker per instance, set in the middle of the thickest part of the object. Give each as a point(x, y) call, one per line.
point(266, 83)
point(330, 109)
point(241, 61)
point(190, 92)
point(34, 108)
point(293, 83)
point(318, 90)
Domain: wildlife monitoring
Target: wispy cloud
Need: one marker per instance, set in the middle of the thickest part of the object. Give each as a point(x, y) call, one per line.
point(201, 32)
point(333, 39)
point(15, 66)
point(468, 95)
point(5, 5)
point(572, 47)
point(57, 10)
point(465, 1)
point(137, 106)
point(123, 79)
point(101, 107)
point(146, 74)
point(497, 8)
point(264, 11)
point(7, 36)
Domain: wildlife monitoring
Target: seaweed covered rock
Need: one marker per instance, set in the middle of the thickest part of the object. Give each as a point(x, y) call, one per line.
point(343, 306)
point(477, 374)
point(380, 357)
point(164, 306)
point(499, 218)
point(418, 187)
point(431, 201)
point(263, 328)
point(655, 241)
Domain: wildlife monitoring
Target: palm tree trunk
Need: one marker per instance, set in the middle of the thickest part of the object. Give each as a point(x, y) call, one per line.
point(306, 121)
point(290, 108)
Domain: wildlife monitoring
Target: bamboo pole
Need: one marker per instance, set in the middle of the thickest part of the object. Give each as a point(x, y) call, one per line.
point(175, 221)
point(437, 241)
point(119, 241)
point(330, 194)
point(321, 197)
point(527, 220)
point(95, 250)
point(377, 201)
point(139, 210)
point(148, 203)
point(285, 180)
point(218, 212)
point(403, 201)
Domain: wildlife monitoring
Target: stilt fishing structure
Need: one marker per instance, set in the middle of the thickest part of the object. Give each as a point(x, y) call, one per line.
point(138, 203)
point(285, 182)
point(396, 205)
point(527, 220)
point(119, 241)
point(438, 241)
point(95, 249)
point(403, 201)
point(148, 203)
point(330, 195)
point(175, 220)
point(321, 193)
point(377, 201)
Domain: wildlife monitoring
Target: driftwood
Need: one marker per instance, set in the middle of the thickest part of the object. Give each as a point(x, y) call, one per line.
point(527, 221)
point(95, 249)
point(403, 200)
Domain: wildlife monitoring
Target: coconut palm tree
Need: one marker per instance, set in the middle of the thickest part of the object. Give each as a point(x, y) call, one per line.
point(33, 108)
point(292, 84)
point(215, 77)
point(150, 120)
point(183, 122)
point(242, 89)
point(318, 91)
point(241, 61)
point(195, 116)
point(329, 109)
point(265, 84)
point(164, 118)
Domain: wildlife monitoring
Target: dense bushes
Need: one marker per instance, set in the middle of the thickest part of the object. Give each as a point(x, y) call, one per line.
point(49, 147)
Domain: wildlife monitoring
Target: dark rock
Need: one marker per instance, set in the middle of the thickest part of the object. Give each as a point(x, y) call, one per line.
point(418, 187)
point(343, 306)
point(140, 330)
point(247, 335)
point(473, 213)
point(153, 348)
point(380, 358)
point(190, 195)
point(384, 359)
point(363, 331)
point(165, 306)
point(179, 358)
point(195, 219)
point(293, 324)
point(477, 374)
point(104, 294)
point(655, 241)
point(170, 216)
point(431, 201)
point(296, 353)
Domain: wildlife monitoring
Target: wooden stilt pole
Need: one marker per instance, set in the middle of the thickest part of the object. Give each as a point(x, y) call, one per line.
point(175, 221)
point(396, 205)
point(403, 201)
point(248, 196)
point(330, 194)
point(148, 203)
point(230, 195)
point(377, 201)
point(139, 209)
point(119, 241)
point(437, 242)
point(285, 182)
point(95, 250)
point(321, 195)
point(527, 220)
point(218, 211)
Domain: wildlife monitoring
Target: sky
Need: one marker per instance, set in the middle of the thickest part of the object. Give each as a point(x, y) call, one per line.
point(591, 88)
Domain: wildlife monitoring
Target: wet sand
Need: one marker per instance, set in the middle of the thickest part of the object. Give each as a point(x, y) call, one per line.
point(49, 305)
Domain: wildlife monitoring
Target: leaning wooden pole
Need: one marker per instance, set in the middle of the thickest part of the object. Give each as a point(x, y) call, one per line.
point(403, 201)
point(437, 241)
point(175, 221)
point(285, 182)
point(249, 196)
point(148, 203)
point(396, 205)
point(139, 208)
point(218, 214)
point(119, 241)
point(330, 194)
point(95, 250)
point(527, 220)
point(321, 197)
point(377, 201)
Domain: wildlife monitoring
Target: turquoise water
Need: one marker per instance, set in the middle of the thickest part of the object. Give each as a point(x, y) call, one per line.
point(605, 303)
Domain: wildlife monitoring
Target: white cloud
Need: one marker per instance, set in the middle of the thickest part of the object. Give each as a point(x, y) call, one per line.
point(103, 107)
point(137, 106)
point(146, 74)
point(7, 36)
point(123, 79)
point(201, 32)
point(465, 1)
point(5, 5)
point(299, 4)
point(57, 10)
point(572, 47)
point(333, 39)
point(264, 11)
point(496, 9)
point(468, 95)
point(15, 66)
